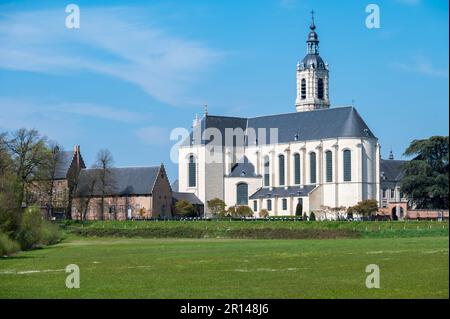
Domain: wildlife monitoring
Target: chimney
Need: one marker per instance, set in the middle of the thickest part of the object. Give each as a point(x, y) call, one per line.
point(76, 149)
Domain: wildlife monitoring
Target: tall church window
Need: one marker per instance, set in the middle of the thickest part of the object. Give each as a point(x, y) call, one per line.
point(312, 168)
point(297, 169)
point(281, 169)
point(347, 165)
point(329, 166)
point(242, 194)
point(320, 89)
point(192, 171)
point(266, 171)
point(269, 205)
point(303, 89)
point(284, 203)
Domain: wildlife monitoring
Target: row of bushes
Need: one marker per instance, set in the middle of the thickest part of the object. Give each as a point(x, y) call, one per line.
point(191, 232)
point(33, 231)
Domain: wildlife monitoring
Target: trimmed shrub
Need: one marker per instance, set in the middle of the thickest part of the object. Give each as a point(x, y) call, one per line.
point(312, 216)
point(244, 211)
point(263, 213)
point(7, 245)
point(184, 208)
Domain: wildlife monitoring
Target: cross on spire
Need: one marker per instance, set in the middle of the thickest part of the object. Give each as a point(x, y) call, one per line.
point(313, 26)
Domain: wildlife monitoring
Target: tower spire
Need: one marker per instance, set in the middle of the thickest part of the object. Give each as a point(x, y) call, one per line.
point(312, 75)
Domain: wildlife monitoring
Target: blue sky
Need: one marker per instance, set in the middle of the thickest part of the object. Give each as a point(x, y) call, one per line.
point(135, 71)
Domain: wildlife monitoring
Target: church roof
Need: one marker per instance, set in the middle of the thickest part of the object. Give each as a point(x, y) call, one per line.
point(296, 191)
point(299, 126)
point(190, 197)
point(243, 168)
point(121, 181)
point(314, 61)
point(391, 172)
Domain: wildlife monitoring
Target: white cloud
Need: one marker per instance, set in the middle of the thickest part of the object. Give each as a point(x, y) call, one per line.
point(56, 119)
point(422, 65)
point(114, 41)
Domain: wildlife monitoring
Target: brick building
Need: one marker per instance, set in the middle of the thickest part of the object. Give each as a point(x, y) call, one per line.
point(128, 193)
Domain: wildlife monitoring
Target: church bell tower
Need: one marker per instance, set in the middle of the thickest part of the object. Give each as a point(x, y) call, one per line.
point(312, 76)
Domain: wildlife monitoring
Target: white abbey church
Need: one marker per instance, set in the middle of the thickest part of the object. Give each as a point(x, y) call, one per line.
point(318, 159)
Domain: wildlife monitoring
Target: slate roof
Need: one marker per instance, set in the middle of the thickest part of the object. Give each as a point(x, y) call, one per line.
point(391, 172)
point(123, 181)
point(298, 126)
point(174, 186)
point(243, 168)
point(190, 197)
point(296, 191)
point(63, 164)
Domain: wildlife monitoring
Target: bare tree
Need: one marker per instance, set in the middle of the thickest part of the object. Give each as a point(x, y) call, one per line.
point(104, 163)
point(47, 174)
point(85, 192)
point(28, 151)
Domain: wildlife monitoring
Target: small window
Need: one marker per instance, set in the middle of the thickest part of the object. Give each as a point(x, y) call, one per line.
point(284, 203)
point(269, 205)
point(384, 193)
point(255, 205)
point(392, 193)
point(320, 89)
point(303, 89)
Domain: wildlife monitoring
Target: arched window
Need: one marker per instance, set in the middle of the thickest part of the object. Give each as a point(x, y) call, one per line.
point(266, 171)
point(347, 165)
point(242, 194)
point(269, 205)
point(297, 168)
point(329, 166)
point(192, 172)
point(281, 177)
point(312, 168)
point(303, 89)
point(320, 89)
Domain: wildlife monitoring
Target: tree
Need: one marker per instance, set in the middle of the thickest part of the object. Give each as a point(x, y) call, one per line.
point(263, 213)
point(106, 183)
point(85, 192)
point(425, 179)
point(231, 211)
point(366, 208)
point(27, 150)
point(184, 208)
point(46, 176)
point(216, 206)
point(244, 211)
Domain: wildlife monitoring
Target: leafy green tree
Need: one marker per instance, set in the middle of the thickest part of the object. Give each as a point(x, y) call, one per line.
point(426, 180)
point(217, 207)
point(184, 208)
point(366, 208)
point(244, 211)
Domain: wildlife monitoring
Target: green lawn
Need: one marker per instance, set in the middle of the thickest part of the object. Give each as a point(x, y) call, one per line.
point(231, 268)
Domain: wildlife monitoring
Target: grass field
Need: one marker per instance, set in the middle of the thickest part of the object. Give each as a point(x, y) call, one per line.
point(415, 267)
